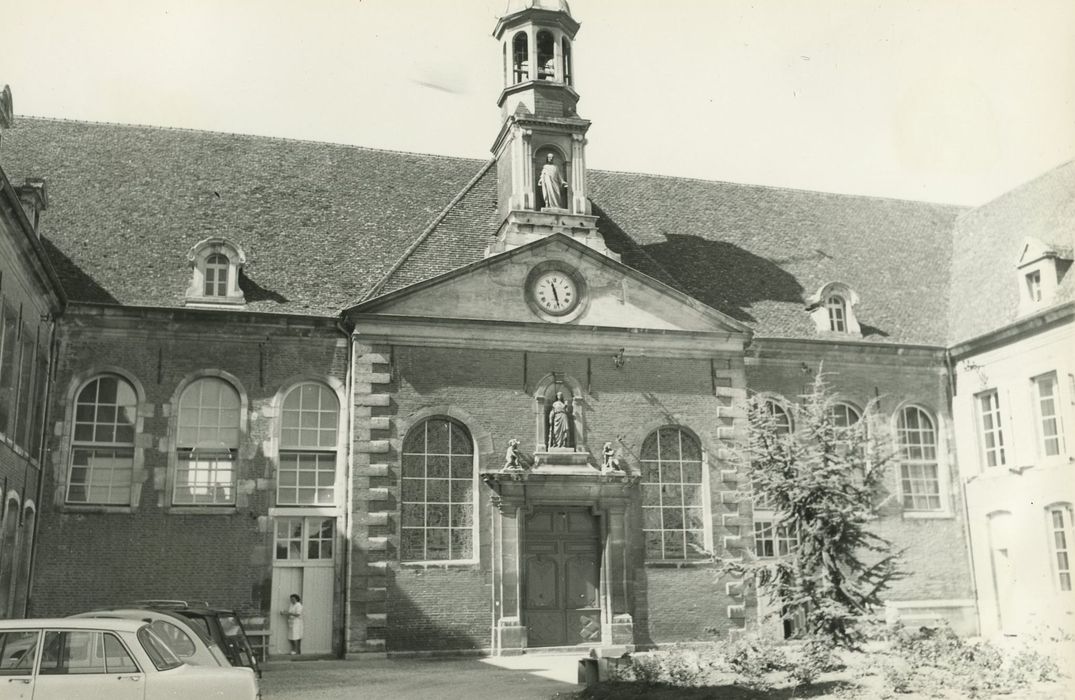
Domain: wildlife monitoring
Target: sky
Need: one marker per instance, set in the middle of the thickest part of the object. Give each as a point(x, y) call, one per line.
point(941, 100)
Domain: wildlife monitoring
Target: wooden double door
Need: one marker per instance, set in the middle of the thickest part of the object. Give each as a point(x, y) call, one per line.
point(561, 577)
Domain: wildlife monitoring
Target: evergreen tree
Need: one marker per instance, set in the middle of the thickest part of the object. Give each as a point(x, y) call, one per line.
point(822, 481)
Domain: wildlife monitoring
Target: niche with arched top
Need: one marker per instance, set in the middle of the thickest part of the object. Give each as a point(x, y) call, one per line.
point(557, 178)
point(545, 399)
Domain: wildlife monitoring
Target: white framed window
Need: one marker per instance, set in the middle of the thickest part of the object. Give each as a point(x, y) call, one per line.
point(920, 483)
point(216, 275)
point(1060, 539)
point(990, 430)
point(1047, 410)
point(673, 495)
point(438, 490)
point(207, 444)
point(773, 540)
point(309, 425)
point(304, 539)
point(102, 442)
point(1033, 286)
point(837, 309)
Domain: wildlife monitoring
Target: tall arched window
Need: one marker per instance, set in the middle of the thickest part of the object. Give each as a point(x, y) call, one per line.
point(9, 543)
point(673, 495)
point(207, 443)
point(837, 309)
point(309, 421)
point(520, 57)
point(546, 56)
point(102, 442)
point(438, 489)
point(216, 275)
point(781, 417)
point(920, 482)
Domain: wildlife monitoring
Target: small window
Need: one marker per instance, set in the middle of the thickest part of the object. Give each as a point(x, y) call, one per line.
point(673, 495)
point(9, 353)
point(1060, 538)
point(308, 433)
point(304, 539)
point(566, 52)
point(520, 57)
point(23, 413)
point(102, 443)
point(437, 520)
point(216, 275)
point(207, 443)
point(1047, 407)
point(546, 59)
point(919, 476)
point(158, 652)
point(781, 417)
point(18, 651)
point(772, 540)
point(1033, 286)
point(837, 313)
point(176, 639)
point(990, 429)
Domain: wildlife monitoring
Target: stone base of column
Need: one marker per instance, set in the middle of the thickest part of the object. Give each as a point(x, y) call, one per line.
point(623, 630)
point(510, 637)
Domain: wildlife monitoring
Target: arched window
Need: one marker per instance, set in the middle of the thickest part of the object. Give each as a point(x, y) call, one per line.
point(566, 52)
point(546, 56)
point(207, 443)
point(920, 483)
point(837, 309)
point(438, 489)
point(520, 57)
point(781, 417)
point(102, 442)
point(216, 275)
point(673, 495)
point(844, 415)
point(1060, 536)
point(309, 421)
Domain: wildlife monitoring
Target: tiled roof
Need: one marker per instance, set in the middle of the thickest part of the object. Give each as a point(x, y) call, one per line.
point(320, 223)
point(988, 241)
point(325, 225)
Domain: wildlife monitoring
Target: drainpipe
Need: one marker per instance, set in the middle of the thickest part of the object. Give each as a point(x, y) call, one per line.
point(949, 367)
point(349, 382)
point(42, 450)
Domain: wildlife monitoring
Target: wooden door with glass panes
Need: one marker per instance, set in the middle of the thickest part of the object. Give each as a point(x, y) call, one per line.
point(304, 557)
point(561, 572)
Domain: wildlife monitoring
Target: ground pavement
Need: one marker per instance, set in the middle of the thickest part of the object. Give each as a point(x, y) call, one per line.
point(526, 677)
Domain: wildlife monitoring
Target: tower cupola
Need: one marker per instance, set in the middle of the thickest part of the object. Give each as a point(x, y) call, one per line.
point(541, 148)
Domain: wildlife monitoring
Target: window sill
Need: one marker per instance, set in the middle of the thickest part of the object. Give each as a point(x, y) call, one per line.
point(928, 515)
point(202, 510)
point(95, 508)
point(213, 302)
point(678, 563)
point(461, 564)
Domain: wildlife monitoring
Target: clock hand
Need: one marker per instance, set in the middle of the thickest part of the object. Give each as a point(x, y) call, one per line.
point(554, 294)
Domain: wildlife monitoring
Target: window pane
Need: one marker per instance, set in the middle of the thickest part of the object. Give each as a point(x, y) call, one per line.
point(18, 651)
point(672, 495)
point(919, 479)
point(437, 494)
point(117, 660)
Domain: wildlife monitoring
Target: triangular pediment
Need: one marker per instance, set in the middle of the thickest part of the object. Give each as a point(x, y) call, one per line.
point(1034, 250)
point(504, 288)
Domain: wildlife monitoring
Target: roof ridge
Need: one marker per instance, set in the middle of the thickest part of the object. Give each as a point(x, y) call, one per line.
point(780, 188)
point(286, 139)
point(375, 289)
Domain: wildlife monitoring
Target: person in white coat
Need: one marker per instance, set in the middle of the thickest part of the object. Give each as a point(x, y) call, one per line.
point(294, 623)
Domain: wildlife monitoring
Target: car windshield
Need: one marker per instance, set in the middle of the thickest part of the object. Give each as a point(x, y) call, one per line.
point(157, 651)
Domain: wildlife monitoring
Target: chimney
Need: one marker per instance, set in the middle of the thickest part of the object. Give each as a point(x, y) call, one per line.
point(7, 115)
point(34, 198)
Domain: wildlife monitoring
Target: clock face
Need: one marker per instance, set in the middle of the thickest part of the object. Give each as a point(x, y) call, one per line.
point(555, 292)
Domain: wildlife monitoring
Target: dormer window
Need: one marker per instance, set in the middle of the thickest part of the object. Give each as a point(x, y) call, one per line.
point(832, 309)
point(215, 265)
point(1041, 269)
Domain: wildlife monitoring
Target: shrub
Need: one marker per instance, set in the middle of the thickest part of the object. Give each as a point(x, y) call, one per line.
point(750, 658)
point(675, 666)
point(818, 656)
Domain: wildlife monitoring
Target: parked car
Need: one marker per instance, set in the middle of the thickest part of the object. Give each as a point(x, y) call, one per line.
point(106, 659)
point(185, 637)
point(219, 624)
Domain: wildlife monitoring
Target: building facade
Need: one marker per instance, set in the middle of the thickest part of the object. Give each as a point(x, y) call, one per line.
point(482, 406)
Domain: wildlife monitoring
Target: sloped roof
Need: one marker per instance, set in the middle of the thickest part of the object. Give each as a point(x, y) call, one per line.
point(326, 225)
point(320, 223)
point(987, 243)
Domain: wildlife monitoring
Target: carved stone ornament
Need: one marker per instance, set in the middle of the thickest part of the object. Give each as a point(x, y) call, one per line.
point(512, 463)
point(610, 463)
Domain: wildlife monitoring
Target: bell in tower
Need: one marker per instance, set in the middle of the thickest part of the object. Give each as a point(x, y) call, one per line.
point(540, 150)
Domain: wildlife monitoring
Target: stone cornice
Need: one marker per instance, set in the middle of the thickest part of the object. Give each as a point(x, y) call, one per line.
point(1043, 320)
point(842, 350)
point(30, 245)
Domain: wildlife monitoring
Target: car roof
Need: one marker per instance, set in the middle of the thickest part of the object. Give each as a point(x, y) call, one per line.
point(74, 623)
point(142, 613)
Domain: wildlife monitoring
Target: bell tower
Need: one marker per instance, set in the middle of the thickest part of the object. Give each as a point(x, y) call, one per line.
point(541, 148)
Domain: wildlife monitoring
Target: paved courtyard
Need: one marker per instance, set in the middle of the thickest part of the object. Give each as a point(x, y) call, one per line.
point(518, 678)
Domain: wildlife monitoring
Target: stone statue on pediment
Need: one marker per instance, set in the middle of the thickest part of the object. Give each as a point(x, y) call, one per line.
point(559, 422)
point(610, 463)
point(512, 463)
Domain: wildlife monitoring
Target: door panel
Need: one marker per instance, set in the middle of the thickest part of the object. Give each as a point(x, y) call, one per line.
point(285, 581)
point(317, 591)
point(305, 565)
point(561, 560)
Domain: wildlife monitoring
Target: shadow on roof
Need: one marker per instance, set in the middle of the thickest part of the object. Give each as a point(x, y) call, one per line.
point(252, 291)
point(78, 285)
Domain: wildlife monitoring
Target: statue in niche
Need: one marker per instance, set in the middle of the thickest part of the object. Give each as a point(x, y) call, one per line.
point(552, 185)
point(512, 462)
point(560, 422)
point(610, 463)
